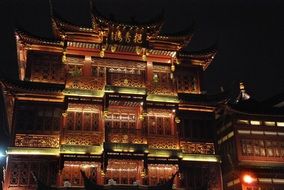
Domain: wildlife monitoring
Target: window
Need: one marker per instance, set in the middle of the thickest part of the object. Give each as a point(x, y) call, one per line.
point(78, 121)
point(38, 118)
point(158, 125)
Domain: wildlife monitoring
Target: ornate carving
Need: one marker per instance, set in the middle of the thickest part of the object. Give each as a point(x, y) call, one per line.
point(86, 83)
point(160, 88)
point(157, 142)
point(20, 172)
point(71, 172)
point(133, 136)
point(33, 140)
point(47, 68)
point(197, 148)
point(82, 138)
point(187, 83)
point(130, 80)
point(82, 121)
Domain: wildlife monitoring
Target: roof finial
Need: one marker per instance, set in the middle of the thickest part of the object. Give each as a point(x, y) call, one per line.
point(242, 86)
point(243, 95)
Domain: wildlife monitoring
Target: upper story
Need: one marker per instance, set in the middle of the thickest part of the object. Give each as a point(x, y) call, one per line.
point(109, 54)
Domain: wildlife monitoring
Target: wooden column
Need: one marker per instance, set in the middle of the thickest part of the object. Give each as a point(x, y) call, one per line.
point(149, 72)
point(87, 68)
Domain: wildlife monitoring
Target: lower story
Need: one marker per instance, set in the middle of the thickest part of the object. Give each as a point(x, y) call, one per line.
point(122, 168)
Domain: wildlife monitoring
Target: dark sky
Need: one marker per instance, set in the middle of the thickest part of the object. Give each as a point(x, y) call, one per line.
point(249, 34)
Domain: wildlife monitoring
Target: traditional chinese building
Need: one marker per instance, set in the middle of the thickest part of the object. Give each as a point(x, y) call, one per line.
point(251, 144)
point(118, 100)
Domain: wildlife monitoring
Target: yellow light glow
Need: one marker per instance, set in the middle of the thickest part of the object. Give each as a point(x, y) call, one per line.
point(198, 109)
point(242, 121)
point(73, 149)
point(160, 153)
point(253, 122)
point(201, 158)
point(269, 123)
point(83, 93)
point(32, 151)
point(161, 98)
point(280, 124)
point(88, 58)
point(248, 179)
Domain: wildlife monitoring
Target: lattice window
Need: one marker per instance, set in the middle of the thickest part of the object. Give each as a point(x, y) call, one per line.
point(187, 83)
point(20, 172)
point(37, 118)
point(160, 173)
point(159, 125)
point(46, 68)
point(123, 171)
point(263, 148)
point(71, 172)
point(121, 120)
point(85, 121)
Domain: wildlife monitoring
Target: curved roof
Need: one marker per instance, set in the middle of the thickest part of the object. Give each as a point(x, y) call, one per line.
point(31, 39)
point(154, 24)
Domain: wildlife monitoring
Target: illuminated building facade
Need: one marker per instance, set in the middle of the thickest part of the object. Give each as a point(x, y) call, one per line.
point(120, 101)
point(251, 144)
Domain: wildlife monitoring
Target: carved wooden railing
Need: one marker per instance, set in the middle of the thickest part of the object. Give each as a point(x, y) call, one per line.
point(126, 80)
point(163, 142)
point(197, 147)
point(85, 83)
point(36, 140)
point(125, 135)
point(160, 88)
point(89, 138)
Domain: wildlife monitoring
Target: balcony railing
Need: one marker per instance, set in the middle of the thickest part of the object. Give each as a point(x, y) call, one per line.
point(126, 135)
point(162, 88)
point(126, 79)
point(89, 138)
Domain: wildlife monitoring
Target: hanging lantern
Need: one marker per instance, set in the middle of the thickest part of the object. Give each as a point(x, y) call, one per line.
point(173, 68)
point(138, 50)
point(125, 81)
point(155, 77)
point(177, 61)
point(64, 59)
point(141, 117)
point(102, 53)
point(172, 76)
point(113, 48)
point(105, 114)
point(177, 119)
point(144, 57)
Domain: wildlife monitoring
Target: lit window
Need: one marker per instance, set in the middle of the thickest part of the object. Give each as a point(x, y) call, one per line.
point(255, 122)
point(280, 124)
point(269, 123)
point(242, 121)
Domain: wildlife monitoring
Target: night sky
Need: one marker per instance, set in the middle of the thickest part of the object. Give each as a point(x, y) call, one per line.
point(249, 34)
